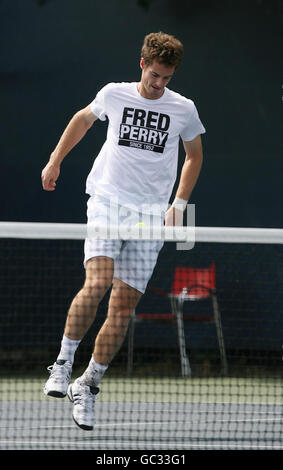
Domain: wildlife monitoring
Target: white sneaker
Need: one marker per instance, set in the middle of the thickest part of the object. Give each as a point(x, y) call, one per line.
point(83, 398)
point(57, 384)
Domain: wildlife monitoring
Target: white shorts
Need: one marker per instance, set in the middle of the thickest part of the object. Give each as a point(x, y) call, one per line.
point(134, 260)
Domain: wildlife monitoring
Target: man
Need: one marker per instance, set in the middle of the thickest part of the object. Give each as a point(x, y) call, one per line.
point(136, 165)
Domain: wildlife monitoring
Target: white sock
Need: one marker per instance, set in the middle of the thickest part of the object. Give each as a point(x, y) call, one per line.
point(68, 349)
point(93, 374)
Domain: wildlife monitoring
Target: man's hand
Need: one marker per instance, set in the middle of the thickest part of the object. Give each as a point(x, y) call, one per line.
point(74, 132)
point(49, 176)
point(174, 217)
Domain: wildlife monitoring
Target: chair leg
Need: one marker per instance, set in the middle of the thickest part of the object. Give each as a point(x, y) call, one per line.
point(177, 308)
point(220, 336)
point(131, 344)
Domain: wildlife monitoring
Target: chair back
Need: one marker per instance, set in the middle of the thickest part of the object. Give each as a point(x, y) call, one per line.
point(194, 283)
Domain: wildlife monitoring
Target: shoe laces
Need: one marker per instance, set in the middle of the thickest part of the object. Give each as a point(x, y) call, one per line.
point(59, 371)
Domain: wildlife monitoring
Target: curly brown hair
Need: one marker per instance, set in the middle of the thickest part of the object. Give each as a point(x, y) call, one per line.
point(164, 48)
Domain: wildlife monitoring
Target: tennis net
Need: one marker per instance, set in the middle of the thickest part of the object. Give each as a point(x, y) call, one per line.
point(201, 364)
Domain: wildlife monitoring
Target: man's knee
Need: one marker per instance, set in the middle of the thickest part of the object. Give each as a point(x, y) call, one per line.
point(124, 297)
point(99, 274)
point(96, 282)
point(122, 303)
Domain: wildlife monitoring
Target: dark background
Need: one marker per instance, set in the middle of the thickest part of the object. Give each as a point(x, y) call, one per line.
point(56, 55)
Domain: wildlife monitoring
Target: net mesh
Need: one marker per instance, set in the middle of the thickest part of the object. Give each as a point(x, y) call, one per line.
point(200, 367)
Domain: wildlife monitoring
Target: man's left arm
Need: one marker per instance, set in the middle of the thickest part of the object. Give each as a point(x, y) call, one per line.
point(189, 176)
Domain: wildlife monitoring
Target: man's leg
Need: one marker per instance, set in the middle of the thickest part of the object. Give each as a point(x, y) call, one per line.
point(99, 276)
point(122, 302)
point(82, 392)
point(81, 314)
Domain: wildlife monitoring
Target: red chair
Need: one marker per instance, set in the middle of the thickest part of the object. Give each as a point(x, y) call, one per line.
point(189, 284)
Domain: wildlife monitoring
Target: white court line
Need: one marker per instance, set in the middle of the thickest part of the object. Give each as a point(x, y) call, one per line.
point(148, 423)
point(138, 445)
point(152, 423)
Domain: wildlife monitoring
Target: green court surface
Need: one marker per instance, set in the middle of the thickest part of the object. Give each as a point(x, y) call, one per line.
point(163, 390)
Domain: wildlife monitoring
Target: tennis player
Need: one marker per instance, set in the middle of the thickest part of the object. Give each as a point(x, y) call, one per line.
point(137, 166)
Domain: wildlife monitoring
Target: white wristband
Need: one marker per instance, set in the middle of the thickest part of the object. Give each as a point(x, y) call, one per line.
point(179, 203)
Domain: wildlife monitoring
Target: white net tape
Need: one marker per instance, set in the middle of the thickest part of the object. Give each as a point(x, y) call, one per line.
point(65, 231)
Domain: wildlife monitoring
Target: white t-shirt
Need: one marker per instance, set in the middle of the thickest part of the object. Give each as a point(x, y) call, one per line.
point(138, 162)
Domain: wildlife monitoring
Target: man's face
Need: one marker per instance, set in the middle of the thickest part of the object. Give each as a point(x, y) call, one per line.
point(154, 79)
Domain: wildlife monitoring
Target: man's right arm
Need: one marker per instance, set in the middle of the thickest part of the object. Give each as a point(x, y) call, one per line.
point(80, 123)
